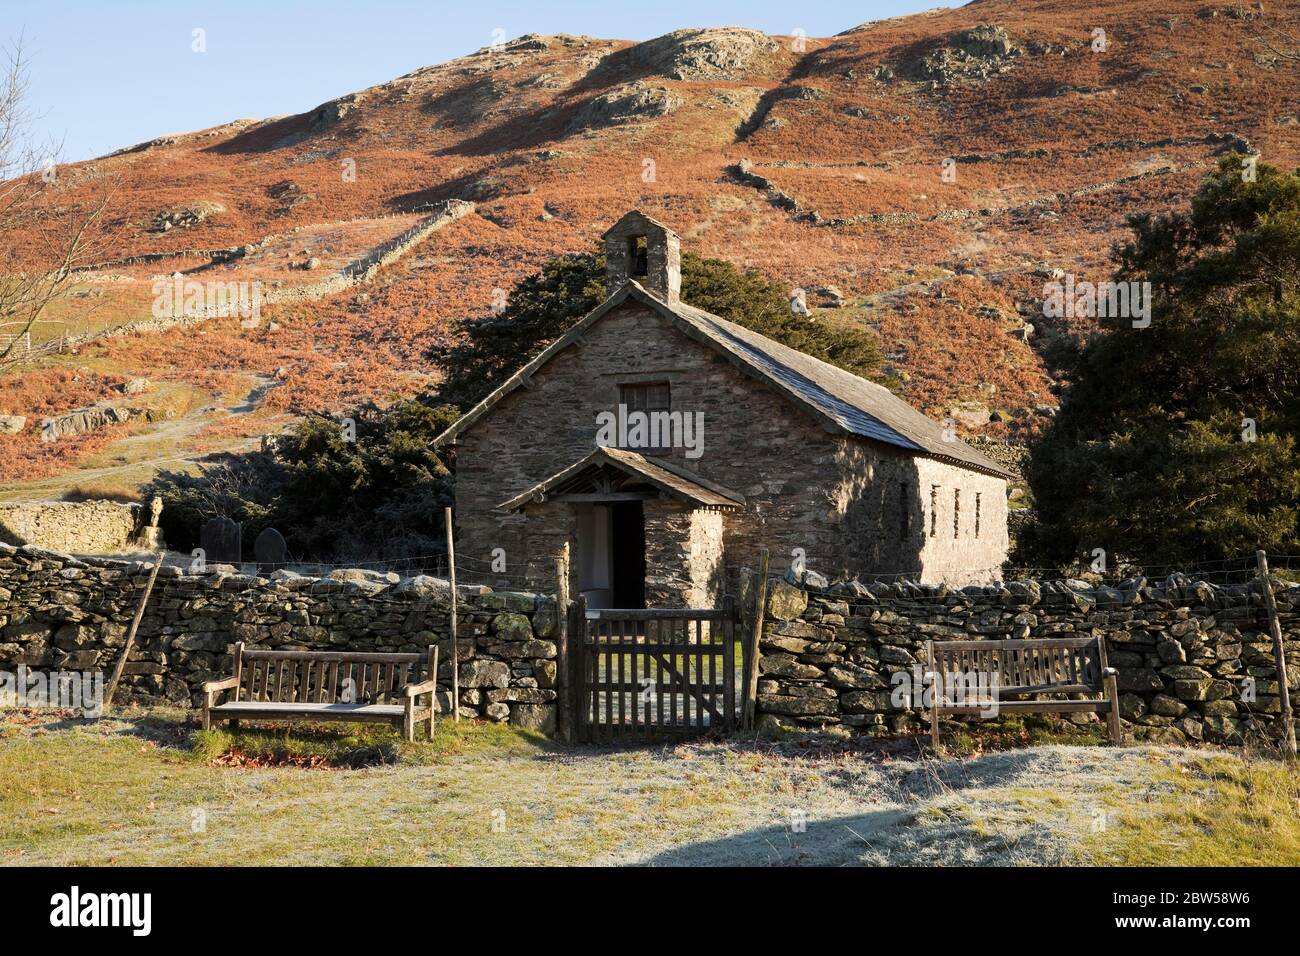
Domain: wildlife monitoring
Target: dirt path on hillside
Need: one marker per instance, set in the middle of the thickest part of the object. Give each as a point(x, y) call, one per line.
point(170, 431)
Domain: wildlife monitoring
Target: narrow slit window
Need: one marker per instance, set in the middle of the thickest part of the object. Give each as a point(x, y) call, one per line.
point(956, 512)
point(638, 256)
point(904, 513)
point(934, 510)
point(977, 514)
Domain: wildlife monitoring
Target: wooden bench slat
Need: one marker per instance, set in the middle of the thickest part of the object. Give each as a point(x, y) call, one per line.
point(270, 710)
point(1048, 688)
point(280, 685)
point(1041, 666)
point(286, 707)
point(1028, 706)
point(1027, 643)
point(355, 656)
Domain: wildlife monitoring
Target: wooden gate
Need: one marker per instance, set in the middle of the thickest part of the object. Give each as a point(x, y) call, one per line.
point(655, 672)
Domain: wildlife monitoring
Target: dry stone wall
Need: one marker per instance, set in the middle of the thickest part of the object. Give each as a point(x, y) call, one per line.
point(58, 612)
point(75, 527)
point(355, 273)
point(1189, 653)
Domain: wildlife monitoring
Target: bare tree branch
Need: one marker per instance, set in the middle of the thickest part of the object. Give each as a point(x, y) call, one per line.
point(46, 240)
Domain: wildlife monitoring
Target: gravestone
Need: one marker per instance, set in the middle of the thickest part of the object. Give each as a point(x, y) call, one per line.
point(269, 551)
point(220, 540)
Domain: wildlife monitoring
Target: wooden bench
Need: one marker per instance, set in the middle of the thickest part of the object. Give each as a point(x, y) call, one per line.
point(1051, 665)
point(326, 685)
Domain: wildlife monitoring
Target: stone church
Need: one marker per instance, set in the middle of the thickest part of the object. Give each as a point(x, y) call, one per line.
point(667, 445)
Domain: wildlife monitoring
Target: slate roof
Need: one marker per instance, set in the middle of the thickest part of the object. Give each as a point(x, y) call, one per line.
point(664, 475)
point(840, 400)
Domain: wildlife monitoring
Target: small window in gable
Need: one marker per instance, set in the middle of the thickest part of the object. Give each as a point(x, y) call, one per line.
point(649, 398)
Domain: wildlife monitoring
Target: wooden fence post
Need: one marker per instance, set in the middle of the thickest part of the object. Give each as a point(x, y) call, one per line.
point(562, 682)
point(756, 633)
point(455, 650)
point(1275, 627)
point(130, 635)
point(577, 676)
point(728, 662)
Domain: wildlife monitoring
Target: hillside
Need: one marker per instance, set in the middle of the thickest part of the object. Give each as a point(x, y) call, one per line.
point(816, 161)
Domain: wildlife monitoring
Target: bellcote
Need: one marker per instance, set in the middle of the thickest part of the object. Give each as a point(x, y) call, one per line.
point(646, 251)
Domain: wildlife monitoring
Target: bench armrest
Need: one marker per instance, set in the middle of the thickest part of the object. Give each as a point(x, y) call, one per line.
point(226, 683)
point(424, 687)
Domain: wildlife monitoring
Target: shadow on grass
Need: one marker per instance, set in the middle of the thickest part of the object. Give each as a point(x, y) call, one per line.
point(297, 744)
point(330, 746)
point(165, 729)
point(833, 842)
point(1016, 731)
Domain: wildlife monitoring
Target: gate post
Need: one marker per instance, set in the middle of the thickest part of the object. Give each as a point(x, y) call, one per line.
point(563, 714)
point(750, 705)
point(577, 694)
point(729, 663)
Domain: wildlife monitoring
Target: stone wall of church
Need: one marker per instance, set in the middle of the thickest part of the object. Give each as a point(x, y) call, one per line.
point(841, 501)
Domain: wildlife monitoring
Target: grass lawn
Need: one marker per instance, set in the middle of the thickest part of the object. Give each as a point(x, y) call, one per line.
point(147, 787)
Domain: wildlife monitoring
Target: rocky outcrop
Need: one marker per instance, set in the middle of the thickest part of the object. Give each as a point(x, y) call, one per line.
point(718, 53)
point(91, 418)
point(332, 112)
point(184, 217)
point(630, 103)
point(980, 53)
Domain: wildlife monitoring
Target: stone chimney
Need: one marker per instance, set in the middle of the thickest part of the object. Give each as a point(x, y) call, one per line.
point(639, 248)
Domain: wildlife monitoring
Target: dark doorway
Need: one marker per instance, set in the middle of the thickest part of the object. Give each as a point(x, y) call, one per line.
point(627, 553)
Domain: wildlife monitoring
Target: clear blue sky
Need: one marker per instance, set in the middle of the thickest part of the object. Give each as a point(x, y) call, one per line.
point(110, 73)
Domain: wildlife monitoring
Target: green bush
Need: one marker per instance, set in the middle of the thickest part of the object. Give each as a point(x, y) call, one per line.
point(1152, 456)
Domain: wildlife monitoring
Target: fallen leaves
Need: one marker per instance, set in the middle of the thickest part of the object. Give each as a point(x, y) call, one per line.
point(240, 759)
